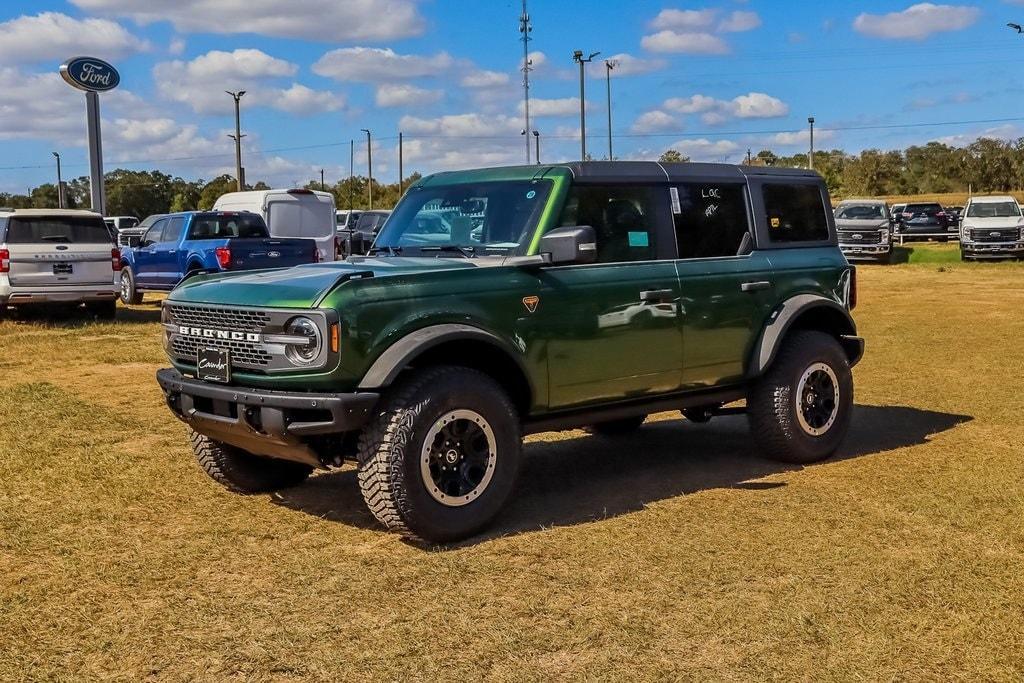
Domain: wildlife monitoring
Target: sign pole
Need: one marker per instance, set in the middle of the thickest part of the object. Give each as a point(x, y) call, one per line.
point(92, 107)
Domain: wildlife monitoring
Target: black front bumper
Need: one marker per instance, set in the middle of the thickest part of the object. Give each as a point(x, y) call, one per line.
point(263, 422)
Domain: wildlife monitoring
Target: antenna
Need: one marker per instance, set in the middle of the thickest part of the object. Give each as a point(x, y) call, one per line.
point(525, 28)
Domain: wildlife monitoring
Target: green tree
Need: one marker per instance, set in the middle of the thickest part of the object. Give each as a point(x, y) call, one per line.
point(214, 189)
point(673, 156)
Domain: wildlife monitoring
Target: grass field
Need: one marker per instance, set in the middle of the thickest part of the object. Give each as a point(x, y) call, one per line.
point(673, 554)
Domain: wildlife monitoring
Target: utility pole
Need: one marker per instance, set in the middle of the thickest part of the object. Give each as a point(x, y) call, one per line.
point(536, 139)
point(525, 27)
point(323, 187)
point(351, 170)
point(401, 171)
point(748, 156)
point(810, 158)
point(577, 57)
point(369, 165)
point(237, 137)
point(609, 64)
point(60, 184)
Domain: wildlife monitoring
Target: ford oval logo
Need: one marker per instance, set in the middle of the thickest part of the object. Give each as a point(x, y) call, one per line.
point(995, 234)
point(273, 254)
point(858, 237)
point(90, 74)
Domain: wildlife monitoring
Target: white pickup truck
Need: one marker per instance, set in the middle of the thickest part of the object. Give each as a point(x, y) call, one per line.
point(58, 256)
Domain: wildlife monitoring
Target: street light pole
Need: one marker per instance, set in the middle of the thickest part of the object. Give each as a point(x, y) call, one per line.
point(526, 28)
point(351, 170)
point(810, 158)
point(609, 64)
point(237, 137)
point(323, 186)
point(60, 184)
point(369, 165)
point(577, 57)
point(536, 140)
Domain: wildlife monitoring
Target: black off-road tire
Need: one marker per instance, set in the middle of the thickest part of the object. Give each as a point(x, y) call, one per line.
point(392, 444)
point(626, 425)
point(242, 472)
point(104, 310)
point(129, 295)
point(772, 402)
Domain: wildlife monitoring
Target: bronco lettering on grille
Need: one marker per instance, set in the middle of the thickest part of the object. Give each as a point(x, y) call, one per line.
point(219, 334)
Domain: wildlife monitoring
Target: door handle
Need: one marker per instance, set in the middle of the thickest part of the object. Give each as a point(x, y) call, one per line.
point(656, 295)
point(755, 286)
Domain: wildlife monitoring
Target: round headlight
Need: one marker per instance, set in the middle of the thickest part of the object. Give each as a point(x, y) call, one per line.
point(303, 354)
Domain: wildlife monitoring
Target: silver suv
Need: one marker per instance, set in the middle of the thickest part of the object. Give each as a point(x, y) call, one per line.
point(58, 256)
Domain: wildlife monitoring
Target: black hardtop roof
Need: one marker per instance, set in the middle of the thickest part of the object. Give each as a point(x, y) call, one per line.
point(655, 171)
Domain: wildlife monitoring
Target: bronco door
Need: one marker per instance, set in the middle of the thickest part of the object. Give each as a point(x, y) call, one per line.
point(612, 327)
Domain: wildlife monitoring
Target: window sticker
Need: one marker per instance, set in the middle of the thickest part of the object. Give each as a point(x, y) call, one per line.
point(776, 222)
point(531, 194)
point(673, 192)
point(638, 239)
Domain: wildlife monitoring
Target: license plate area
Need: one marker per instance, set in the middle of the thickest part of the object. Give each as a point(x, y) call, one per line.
point(213, 365)
point(62, 269)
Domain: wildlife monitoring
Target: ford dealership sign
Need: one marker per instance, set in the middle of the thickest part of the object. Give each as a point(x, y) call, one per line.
point(90, 74)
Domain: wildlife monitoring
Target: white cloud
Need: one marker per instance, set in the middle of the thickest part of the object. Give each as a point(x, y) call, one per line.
point(697, 43)
point(654, 121)
point(370, 64)
point(740, 21)
point(39, 106)
point(755, 105)
point(917, 22)
point(684, 19)
point(334, 21)
point(702, 149)
point(802, 138)
point(201, 82)
point(461, 140)
point(404, 95)
point(563, 106)
point(51, 36)
point(625, 65)
point(482, 78)
point(176, 46)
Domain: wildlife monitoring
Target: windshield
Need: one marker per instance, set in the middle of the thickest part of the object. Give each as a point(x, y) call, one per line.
point(220, 227)
point(993, 210)
point(930, 209)
point(860, 212)
point(370, 222)
point(65, 230)
point(491, 217)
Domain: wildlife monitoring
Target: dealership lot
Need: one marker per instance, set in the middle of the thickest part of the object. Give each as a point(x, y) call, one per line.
point(898, 558)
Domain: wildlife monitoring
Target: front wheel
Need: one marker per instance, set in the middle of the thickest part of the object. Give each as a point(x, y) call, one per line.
point(242, 472)
point(441, 456)
point(129, 294)
point(800, 410)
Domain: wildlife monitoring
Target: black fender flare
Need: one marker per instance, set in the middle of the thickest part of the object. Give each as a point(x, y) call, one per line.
point(396, 357)
point(783, 318)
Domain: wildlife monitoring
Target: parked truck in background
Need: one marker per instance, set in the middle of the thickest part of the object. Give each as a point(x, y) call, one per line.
point(308, 214)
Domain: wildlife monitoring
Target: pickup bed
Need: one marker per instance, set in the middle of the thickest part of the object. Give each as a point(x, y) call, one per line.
point(180, 244)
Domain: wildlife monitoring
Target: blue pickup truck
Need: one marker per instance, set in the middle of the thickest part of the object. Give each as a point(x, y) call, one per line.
point(180, 244)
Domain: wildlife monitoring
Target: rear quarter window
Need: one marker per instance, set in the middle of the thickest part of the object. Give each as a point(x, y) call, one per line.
point(795, 213)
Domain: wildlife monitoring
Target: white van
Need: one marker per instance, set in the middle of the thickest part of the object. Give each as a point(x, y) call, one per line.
point(290, 213)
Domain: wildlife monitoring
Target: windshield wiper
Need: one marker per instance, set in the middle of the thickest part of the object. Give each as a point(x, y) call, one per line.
point(391, 251)
point(468, 252)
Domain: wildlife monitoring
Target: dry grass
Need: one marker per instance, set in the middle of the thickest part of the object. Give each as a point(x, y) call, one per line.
point(674, 554)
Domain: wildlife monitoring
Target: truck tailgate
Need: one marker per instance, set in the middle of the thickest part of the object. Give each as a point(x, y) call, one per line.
point(252, 254)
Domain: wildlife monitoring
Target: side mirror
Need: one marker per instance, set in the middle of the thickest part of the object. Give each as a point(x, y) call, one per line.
point(563, 246)
point(134, 240)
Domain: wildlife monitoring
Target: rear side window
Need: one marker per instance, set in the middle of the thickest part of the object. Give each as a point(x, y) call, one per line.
point(795, 213)
point(710, 220)
point(62, 230)
point(623, 219)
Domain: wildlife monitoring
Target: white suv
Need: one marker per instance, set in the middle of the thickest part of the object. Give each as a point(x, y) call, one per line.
point(991, 227)
point(58, 256)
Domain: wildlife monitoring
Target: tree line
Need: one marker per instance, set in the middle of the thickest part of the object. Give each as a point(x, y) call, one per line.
point(985, 165)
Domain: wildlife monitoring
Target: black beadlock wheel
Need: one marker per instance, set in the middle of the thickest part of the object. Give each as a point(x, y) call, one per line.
point(242, 472)
point(626, 425)
point(129, 294)
point(441, 456)
point(800, 410)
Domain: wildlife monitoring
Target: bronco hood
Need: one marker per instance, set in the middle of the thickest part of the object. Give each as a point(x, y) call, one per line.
point(304, 286)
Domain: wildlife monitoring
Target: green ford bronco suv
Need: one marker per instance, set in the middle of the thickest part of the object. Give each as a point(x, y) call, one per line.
point(507, 301)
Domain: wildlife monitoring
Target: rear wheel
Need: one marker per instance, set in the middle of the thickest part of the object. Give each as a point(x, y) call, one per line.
point(626, 425)
point(104, 310)
point(129, 294)
point(242, 472)
point(800, 410)
point(441, 457)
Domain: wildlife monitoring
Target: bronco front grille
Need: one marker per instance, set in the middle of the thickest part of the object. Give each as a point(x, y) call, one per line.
point(237, 319)
point(243, 354)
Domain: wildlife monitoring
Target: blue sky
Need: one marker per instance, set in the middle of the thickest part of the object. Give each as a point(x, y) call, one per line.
point(710, 79)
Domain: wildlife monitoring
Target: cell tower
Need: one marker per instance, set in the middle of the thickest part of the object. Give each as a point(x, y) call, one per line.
point(526, 28)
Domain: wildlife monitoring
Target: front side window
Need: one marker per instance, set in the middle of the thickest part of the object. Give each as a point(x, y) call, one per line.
point(61, 230)
point(993, 210)
point(795, 213)
point(172, 231)
point(623, 219)
point(496, 217)
point(711, 220)
point(860, 212)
